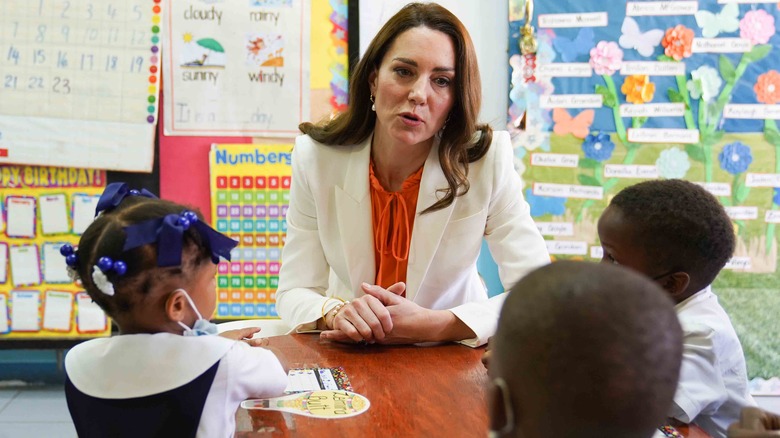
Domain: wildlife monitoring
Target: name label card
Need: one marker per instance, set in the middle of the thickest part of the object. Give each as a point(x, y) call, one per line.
point(742, 213)
point(739, 264)
point(751, 111)
point(571, 101)
point(772, 216)
point(596, 252)
point(586, 19)
point(721, 45)
point(635, 9)
point(630, 171)
point(566, 247)
point(557, 228)
point(717, 189)
point(651, 135)
point(554, 160)
point(653, 109)
point(652, 68)
point(762, 180)
point(566, 69)
point(568, 191)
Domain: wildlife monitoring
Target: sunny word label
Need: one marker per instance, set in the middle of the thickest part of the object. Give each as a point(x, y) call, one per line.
point(588, 19)
point(635, 9)
point(742, 213)
point(565, 70)
point(571, 101)
point(567, 247)
point(772, 217)
point(568, 191)
point(557, 228)
point(663, 135)
point(739, 264)
point(630, 171)
point(751, 111)
point(721, 45)
point(653, 109)
point(554, 160)
point(717, 189)
point(762, 180)
point(652, 68)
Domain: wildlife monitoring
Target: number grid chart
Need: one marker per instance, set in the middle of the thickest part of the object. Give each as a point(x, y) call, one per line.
point(42, 209)
point(250, 194)
point(79, 82)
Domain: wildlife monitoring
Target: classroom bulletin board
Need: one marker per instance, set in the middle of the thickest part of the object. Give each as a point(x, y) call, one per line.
point(79, 82)
point(42, 209)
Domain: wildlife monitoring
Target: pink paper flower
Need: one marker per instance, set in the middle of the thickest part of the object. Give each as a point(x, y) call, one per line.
point(606, 58)
point(757, 26)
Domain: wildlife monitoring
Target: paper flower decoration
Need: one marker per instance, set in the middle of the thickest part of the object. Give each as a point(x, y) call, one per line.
point(767, 87)
point(638, 89)
point(757, 26)
point(598, 146)
point(735, 157)
point(705, 83)
point(673, 163)
point(677, 42)
point(534, 136)
point(606, 58)
point(776, 196)
point(542, 205)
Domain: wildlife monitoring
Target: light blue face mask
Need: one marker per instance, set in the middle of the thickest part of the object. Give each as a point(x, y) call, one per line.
point(202, 327)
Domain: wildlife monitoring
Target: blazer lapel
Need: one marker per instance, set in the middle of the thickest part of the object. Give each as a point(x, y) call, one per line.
point(353, 210)
point(428, 227)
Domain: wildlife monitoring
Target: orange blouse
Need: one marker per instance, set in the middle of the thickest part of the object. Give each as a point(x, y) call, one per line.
point(392, 214)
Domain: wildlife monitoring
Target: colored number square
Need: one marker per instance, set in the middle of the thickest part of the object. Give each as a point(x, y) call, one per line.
point(286, 197)
point(272, 296)
point(273, 210)
point(261, 296)
point(235, 254)
point(260, 254)
point(248, 240)
point(235, 268)
point(222, 282)
point(285, 207)
point(249, 309)
point(222, 210)
point(237, 238)
point(234, 197)
point(235, 296)
point(273, 283)
point(222, 268)
point(260, 182)
point(262, 282)
point(222, 196)
point(235, 225)
point(235, 282)
point(273, 226)
point(261, 239)
point(235, 309)
point(273, 182)
point(235, 182)
point(249, 282)
point(249, 296)
point(262, 309)
point(235, 210)
point(248, 182)
point(261, 210)
point(286, 182)
point(222, 182)
point(274, 253)
point(223, 296)
point(272, 310)
point(247, 211)
point(261, 225)
point(261, 197)
point(284, 226)
point(284, 239)
point(274, 240)
point(222, 310)
point(262, 268)
point(248, 253)
point(273, 197)
point(247, 225)
point(248, 267)
point(273, 268)
point(248, 197)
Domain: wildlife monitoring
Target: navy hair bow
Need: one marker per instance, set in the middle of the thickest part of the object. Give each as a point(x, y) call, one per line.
point(168, 233)
point(115, 193)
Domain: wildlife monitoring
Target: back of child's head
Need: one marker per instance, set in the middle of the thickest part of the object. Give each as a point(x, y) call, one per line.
point(144, 233)
point(584, 350)
point(680, 225)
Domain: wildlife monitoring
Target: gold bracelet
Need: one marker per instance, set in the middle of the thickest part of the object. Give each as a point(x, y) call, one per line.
point(322, 311)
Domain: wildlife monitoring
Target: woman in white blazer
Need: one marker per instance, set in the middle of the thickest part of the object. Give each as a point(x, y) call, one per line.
point(410, 135)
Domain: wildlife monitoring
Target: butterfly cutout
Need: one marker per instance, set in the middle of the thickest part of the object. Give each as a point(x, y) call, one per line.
point(580, 45)
point(712, 24)
point(578, 126)
point(644, 42)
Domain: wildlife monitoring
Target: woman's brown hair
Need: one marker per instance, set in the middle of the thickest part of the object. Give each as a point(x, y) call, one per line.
point(458, 146)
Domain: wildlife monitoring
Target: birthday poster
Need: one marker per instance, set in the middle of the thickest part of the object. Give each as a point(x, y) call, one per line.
point(236, 68)
point(42, 209)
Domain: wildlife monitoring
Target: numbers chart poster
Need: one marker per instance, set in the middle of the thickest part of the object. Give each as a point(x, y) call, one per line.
point(42, 209)
point(236, 68)
point(650, 89)
point(79, 82)
point(250, 194)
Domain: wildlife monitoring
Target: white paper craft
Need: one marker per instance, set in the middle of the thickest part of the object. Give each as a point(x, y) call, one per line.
point(54, 214)
point(54, 268)
point(3, 262)
point(25, 270)
point(90, 317)
point(20, 216)
point(4, 328)
point(25, 311)
point(83, 212)
point(57, 311)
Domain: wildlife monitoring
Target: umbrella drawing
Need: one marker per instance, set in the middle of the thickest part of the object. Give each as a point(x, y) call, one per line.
point(209, 44)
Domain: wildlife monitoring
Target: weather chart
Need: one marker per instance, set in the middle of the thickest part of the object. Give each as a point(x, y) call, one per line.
point(237, 70)
point(250, 188)
point(79, 82)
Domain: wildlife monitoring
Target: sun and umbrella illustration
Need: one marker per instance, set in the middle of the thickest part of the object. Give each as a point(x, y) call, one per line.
point(202, 53)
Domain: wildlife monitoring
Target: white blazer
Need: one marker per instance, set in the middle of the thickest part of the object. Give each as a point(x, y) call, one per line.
point(330, 246)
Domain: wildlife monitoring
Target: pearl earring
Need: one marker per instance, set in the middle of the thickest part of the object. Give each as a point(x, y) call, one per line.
point(373, 105)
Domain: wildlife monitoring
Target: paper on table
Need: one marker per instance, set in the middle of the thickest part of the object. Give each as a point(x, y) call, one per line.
point(57, 311)
point(54, 214)
point(25, 270)
point(24, 311)
point(54, 268)
point(20, 216)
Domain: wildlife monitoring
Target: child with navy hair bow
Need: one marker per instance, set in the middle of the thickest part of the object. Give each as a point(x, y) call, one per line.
point(150, 264)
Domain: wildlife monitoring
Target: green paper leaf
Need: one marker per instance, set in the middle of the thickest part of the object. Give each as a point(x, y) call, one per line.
point(695, 152)
point(640, 121)
point(588, 163)
point(588, 180)
point(675, 96)
point(726, 69)
point(758, 53)
point(772, 136)
point(609, 99)
point(710, 138)
point(741, 192)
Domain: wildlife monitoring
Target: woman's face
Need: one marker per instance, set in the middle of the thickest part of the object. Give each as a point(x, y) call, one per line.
point(414, 87)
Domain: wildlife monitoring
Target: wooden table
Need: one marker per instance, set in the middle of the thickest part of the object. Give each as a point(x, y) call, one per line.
point(414, 391)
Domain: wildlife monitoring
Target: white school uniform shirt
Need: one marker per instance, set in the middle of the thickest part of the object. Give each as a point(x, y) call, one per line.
point(134, 366)
point(713, 386)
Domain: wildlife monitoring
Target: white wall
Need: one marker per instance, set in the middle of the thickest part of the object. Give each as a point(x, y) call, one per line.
point(488, 23)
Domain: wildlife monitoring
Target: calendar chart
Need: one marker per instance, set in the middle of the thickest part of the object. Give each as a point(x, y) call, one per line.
point(79, 82)
point(250, 194)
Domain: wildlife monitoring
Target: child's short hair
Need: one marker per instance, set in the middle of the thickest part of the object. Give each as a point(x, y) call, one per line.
point(588, 350)
point(679, 224)
point(106, 237)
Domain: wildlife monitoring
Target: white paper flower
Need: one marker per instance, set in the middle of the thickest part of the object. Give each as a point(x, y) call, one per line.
point(101, 281)
point(705, 83)
point(673, 163)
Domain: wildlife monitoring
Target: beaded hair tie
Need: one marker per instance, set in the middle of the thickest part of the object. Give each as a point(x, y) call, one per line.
point(103, 266)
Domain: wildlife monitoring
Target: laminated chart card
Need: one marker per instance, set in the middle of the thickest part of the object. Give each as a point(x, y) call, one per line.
point(79, 81)
point(236, 68)
point(250, 194)
point(45, 208)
